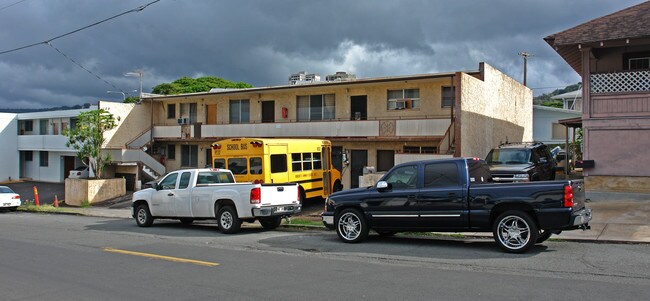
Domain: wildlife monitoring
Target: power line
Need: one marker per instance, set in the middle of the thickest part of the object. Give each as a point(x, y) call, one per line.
point(10, 5)
point(137, 9)
point(82, 67)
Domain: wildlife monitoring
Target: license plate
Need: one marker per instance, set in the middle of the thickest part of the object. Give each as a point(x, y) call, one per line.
point(6, 204)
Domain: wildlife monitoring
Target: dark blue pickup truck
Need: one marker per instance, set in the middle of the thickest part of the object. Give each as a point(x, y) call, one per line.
point(458, 195)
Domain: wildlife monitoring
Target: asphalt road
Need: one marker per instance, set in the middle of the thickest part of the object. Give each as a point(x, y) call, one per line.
point(60, 257)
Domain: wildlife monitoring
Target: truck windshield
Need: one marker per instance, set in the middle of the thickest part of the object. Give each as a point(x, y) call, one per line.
point(508, 156)
point(214, 177)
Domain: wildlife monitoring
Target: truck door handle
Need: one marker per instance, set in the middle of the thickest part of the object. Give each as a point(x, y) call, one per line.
point(452, 195)
point(412, 196)
point(170, 194)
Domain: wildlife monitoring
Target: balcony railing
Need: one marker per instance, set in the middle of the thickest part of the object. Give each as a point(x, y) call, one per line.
point(620, 82)
point(365, 128)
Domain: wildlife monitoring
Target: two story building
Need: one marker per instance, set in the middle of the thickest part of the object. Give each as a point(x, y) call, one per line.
point(373, 121)
point(612, 54)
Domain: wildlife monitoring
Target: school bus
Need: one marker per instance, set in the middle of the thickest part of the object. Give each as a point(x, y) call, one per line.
point(307, 162)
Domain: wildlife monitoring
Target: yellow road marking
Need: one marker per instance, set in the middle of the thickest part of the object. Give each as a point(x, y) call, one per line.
point(168, 258)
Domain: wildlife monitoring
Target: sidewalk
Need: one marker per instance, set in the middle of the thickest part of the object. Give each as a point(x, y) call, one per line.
point(613, 221)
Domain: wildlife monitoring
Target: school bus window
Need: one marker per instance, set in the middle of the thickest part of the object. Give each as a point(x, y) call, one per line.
point(237, 166)
point(317, 163)
point(278, 163)
point(255, 166)
point(296, 162)
point(219, 163)
point(306, 161)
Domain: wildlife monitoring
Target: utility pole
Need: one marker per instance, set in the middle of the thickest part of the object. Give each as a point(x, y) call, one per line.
point(525, 55)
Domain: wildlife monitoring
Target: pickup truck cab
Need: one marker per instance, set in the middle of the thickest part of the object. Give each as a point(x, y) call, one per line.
point(199, 194)
point(458, 195)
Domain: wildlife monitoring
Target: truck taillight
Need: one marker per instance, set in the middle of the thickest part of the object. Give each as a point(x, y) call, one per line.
point(568, 196)
point(256, 195)
point(16, 197)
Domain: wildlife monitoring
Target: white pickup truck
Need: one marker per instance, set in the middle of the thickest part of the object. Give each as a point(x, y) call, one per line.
point(198, 194)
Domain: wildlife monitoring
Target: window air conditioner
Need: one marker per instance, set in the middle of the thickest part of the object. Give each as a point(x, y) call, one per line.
point(183, 121)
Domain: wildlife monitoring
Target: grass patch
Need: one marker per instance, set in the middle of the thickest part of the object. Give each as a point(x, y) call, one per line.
point(304, 222)
point(43, 208)
point(85, 204)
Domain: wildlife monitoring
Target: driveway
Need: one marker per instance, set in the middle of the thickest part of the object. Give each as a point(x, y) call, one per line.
point(46, 191)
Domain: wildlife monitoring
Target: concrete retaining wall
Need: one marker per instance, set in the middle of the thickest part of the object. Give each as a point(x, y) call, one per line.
point(94, 191)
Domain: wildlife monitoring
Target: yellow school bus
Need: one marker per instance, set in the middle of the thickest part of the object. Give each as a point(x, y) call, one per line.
point(307, 162)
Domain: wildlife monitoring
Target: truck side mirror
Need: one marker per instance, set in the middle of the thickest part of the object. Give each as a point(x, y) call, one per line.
point(382, 185)
point(158, 186)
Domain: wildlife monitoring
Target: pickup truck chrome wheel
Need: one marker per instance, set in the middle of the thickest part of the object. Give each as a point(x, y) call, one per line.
point(143, 216)
point(228, 221)
point(515, 231)
point(351, 226)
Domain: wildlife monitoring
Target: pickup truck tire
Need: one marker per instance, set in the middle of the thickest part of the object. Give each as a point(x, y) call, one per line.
point(228, 221)
point(351, 226)
point(143, 216)
point(514, 231)
point(270, 223)
point(186, 220)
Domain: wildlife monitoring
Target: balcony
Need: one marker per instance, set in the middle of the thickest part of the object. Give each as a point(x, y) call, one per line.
point(383, 128)
point(620, 82)
point(43, 143)
point(620, 94)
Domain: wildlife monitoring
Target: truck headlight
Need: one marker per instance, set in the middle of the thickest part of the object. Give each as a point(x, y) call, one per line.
point(521, 176)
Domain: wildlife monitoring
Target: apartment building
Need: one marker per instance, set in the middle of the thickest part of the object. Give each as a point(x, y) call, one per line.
point(372, 122)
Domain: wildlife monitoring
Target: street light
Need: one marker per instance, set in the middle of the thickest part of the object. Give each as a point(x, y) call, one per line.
point(123, 94)
point(139, 74)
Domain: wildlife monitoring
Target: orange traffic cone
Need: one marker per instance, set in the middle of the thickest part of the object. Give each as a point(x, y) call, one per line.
point(56, 201)
point(36, 196)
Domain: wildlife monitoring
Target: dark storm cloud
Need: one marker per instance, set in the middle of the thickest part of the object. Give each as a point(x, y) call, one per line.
point(262, 42)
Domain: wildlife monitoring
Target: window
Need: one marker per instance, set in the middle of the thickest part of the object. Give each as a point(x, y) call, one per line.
point(448, 96)
point(306, 161)
point(29, 156)
point(255, 166)
point(43, 127)
point(189, 155)
point(55, 128)
point(29, 125)
point(316, 107)
point(636, 61)
point(404, 177)
point(169, 182)
point(296, 162)
point(188, 110)
point(185, 180)
point(171, 111)
point(239, 111)
point(403, 99)
point(278, 163)
point(171, 151)
point(44, 159)
point(559, 131)
point(317, 161)
point(441, 175)
point(219, 163)
point(238, 166)
point(479, 173)
point(420, 150)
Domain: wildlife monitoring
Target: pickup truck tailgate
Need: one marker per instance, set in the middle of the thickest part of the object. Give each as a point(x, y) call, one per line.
point(578, 187)
point(280, 194)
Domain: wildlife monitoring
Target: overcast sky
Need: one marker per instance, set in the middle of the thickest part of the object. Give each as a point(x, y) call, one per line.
point(262, 42)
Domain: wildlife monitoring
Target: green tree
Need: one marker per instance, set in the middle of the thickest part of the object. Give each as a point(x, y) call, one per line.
point(131, 99)
point(193, 85)
point(87, 138)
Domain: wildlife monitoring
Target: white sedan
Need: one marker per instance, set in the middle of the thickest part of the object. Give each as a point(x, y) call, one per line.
point(9, 199)
point(80, 172)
